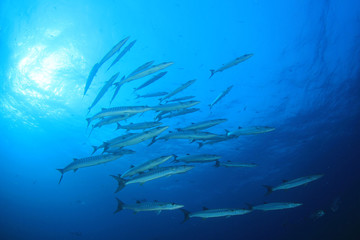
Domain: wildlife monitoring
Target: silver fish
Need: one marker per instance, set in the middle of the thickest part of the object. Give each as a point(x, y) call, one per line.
point(110, 120)
point(202, 125)
point(126, 49)
point(200, 158)
point(231, 64)
point(212, 213)
point(293, 183)
point(172, 114)
point(174, 106)
point(114, 50)
point(191, 135)
point(91, 76)
point(147, 206)
point(149, 95)
point(249, 131)
point(151, 175)
point(153, 79)
point(218, 98)
point(141, 68)
point(116, 111)
point(146, 166)
point(138, 126)
point(274, 206)
point(113, 141)
point(179, 89)
point(234, 164)
point(180, 99)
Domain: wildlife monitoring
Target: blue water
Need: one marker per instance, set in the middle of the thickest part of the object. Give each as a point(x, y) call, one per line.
point(303, 80)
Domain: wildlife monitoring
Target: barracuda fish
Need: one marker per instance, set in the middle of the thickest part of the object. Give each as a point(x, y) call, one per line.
point(191, 135)
point(116, 111)
point(180, 99)
point(113, 141)
point(174, 106)
point(151, 175)
point(293, 183)
point(274, 206)
point(110, 120)
point(233, 164)
point(103, 90)
point(202, 125)
point(179, 89)
point(218, 98)
point(146, 166)
point(141, 68)
point(220, 138)
point(91, 76)
point(212, 213)
point(117, 88)
point(126, 49)
point(138, 138)
point(88, 162)
point(231, 64)
point(114, 50)
point(121, 151)
point(200, 158)
point(157, 94)
point(249, 131)
point(163, 115)
point(138, 126)
point(147, 206)
point(153, 79)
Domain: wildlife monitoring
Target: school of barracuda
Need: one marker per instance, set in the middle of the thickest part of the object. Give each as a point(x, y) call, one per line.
point(155, 131)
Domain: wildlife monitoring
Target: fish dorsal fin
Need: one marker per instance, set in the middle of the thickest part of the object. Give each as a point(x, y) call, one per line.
point(205, 208)
point(239, 127)
point(284, 180)
point(138, 201)
point(75, 159)
point(192, 123)
point(132, 166)
point(188, 154)
point(75, 169)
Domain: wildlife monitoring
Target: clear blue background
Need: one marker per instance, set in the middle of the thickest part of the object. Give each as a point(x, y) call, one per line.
point(303, 79)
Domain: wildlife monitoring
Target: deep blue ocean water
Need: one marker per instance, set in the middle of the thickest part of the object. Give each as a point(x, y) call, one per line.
point(303, 80)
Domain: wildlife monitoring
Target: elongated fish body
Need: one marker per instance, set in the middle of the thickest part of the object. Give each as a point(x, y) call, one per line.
point(180, 99)
point(174, 106)
point(223, 94)
point(126, 49)
point(138, 126)
point(103, 90)
point(146, 166)
point(116, 111)
point(179, 89)
point(147, 206)
point(88, 162)
point(294, 183)
point(114, 50)
point(156, 94)
point(200, 158)
point(234, 164)
point(220, 138)
point(138, 138)
point(151, 175)
point(275, 206)
point(113, 141)
point(202, 125)
point(114, 119)
point(141, 68)
point(146, 72)
point(163, 115)
point(191, 135)
point(250, 131)
point(232, 63)
point(121, 151)
point(91, 76)
point(212, 213)
point(152, 80)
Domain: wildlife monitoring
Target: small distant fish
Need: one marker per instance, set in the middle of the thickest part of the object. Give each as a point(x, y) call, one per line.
point(199, 158)
point(177, 113)
point(318, 214)
point(91, 76)
point(151, 175)
point(231, 64)
point(223, 94)
point(114, 50)
point(202, 125)
point(249, 131)
point(88, 162)
point(149, 95)
point(153, 79)
point(274, 206)
point(179, 89)
point(146, 166)
point(174, 106)
point(147, 206)
point(212, 213)
point(234, 164)
point(128, 47)
point(103, 90)
point(138, 126)
point(180, 99)
point(293, 183)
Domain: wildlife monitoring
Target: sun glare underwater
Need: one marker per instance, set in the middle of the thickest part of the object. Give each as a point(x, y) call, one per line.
point(180, 119)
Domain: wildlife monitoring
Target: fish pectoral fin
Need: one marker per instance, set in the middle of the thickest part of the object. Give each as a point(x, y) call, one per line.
point(158, 212)
point(75, 169)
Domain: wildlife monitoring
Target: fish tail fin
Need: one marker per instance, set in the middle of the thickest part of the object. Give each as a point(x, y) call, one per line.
point(95, 149)
point(227, 132)
point(88, 121)
point(118, 126)
point(250, 206)
point(212, 72)
point(200, 144)
point(121, 182)
point(217, 163)
point(106, 146)
point(91, 130)
point(269, 189)
point(186, 215)
point(89, 109)
point(120, 206)
point(152, 141)
point(62, 174)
